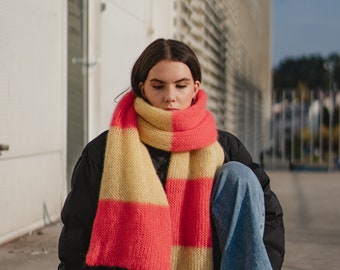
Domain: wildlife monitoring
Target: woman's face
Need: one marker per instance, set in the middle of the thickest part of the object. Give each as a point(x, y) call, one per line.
point(170, 86)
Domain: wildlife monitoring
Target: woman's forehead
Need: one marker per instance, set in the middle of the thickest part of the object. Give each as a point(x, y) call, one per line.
point(169, 70)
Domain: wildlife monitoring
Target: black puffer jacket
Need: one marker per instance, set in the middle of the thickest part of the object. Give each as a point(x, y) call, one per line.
point(80, 206)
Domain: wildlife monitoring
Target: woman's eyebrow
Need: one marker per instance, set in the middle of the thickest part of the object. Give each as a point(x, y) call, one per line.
point(160, 81)
point(157, 80)
point(182, 80)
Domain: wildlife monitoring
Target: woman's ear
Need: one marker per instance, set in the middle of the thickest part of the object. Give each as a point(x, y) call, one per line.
point(196, 88)
point(141, 89)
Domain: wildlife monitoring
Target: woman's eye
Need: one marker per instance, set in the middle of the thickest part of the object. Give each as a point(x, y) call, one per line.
point(180, 86)
point(157, 86)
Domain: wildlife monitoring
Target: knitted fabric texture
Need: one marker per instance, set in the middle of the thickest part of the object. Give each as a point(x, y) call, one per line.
point(138, 224)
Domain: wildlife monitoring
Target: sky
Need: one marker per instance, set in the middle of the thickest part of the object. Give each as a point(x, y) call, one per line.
point(304, 27)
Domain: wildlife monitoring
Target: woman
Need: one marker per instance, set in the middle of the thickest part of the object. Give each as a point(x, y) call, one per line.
point(163, 189)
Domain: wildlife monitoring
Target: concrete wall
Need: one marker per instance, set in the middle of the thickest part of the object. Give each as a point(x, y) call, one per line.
point(125, 29)
point(32, 114)
point(123, 35)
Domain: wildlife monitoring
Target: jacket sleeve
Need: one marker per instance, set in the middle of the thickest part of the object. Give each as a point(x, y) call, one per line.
point(274, 228)
point(80, 206)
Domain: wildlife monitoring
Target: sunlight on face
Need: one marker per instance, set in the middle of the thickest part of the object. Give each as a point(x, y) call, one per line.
point(170, 86)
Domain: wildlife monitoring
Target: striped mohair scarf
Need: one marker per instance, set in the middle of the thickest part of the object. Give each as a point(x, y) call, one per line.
point(138, 225)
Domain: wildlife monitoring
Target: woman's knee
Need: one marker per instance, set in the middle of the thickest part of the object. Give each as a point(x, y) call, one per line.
point(235, 174)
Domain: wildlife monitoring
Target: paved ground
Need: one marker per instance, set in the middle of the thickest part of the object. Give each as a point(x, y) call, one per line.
point(311, 203)
point(36, 251)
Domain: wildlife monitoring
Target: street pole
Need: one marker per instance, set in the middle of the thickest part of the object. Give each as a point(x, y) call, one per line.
point(329, 66)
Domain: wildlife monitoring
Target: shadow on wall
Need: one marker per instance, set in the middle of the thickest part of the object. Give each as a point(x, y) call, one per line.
point(46, 216)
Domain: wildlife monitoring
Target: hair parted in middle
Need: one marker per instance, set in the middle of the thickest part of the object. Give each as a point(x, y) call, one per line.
point(163, 49)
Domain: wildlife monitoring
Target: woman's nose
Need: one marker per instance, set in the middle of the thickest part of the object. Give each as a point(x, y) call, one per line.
point(170, 97)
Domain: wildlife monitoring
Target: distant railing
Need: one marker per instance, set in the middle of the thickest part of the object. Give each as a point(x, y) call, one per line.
point(305, 132)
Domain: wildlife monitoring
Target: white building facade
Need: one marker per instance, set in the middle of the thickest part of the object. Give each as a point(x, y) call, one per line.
point(63, 65)
point(32, 114)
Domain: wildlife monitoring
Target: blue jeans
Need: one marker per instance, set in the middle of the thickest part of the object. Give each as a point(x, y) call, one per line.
point(238, 216)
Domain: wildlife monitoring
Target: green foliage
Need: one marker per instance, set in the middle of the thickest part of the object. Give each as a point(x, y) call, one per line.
point(307, 70)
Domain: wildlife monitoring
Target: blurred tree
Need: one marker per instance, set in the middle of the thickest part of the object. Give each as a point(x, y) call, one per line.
point(306, 70)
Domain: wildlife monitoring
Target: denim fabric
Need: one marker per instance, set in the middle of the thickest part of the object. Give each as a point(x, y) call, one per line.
point(238, 214)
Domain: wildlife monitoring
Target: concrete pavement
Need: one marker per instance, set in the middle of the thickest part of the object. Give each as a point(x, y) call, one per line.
point(311, 203)
point(36, 251)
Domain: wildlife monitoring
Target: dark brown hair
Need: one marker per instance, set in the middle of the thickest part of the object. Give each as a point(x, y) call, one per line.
point(163, 49)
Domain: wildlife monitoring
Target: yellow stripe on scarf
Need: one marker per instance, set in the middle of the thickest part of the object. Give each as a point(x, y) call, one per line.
point(188, 165)
point(126, 164)
point(189, 258)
